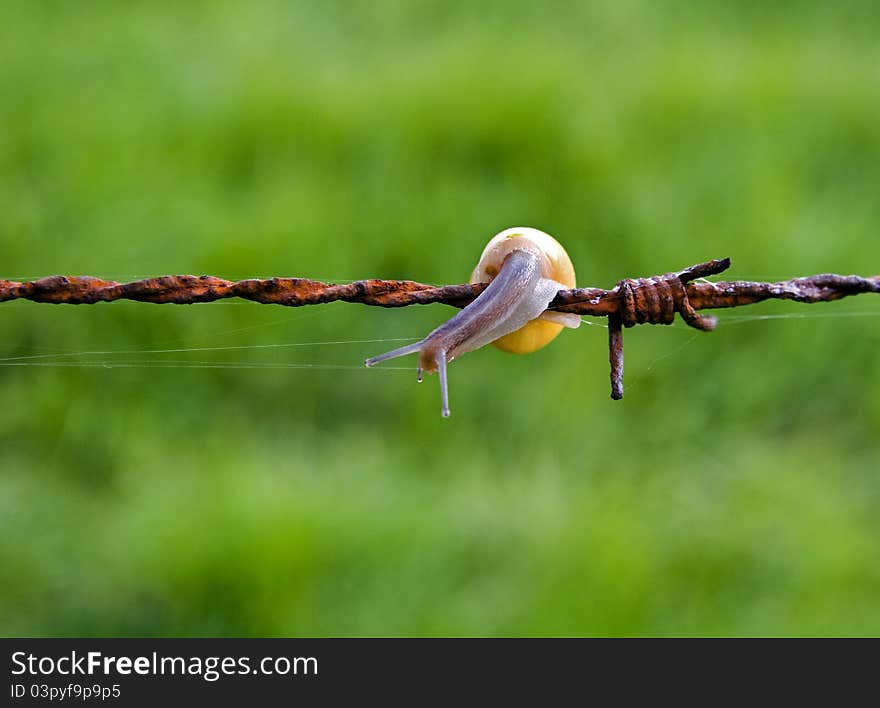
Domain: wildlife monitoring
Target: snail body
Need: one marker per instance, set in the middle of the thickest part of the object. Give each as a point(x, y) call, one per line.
point(524, 268)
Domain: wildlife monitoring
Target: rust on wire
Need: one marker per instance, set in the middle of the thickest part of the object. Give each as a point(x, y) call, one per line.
point(653, 300)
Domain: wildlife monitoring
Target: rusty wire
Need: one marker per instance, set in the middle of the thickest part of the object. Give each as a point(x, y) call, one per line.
point(653, 300)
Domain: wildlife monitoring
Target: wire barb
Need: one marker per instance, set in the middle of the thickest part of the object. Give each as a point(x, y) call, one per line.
point(653, 300)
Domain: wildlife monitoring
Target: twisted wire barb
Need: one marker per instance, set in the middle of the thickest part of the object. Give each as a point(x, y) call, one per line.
point(653, 300)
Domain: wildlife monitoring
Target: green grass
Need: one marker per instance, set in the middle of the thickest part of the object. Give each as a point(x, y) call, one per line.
point(734, 491)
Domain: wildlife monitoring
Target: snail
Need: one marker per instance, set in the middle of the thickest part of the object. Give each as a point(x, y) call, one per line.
point(524, 269)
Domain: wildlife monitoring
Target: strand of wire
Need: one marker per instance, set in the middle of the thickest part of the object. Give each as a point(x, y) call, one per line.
point(654, 300)
point(296, 292)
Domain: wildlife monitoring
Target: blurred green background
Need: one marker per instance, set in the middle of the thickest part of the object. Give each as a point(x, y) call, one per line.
point(735, 490)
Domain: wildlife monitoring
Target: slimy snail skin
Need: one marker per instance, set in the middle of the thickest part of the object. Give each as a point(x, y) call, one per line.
point(524, 269)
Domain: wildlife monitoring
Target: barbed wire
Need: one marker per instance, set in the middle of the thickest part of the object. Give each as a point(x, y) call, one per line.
point(631, 302)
